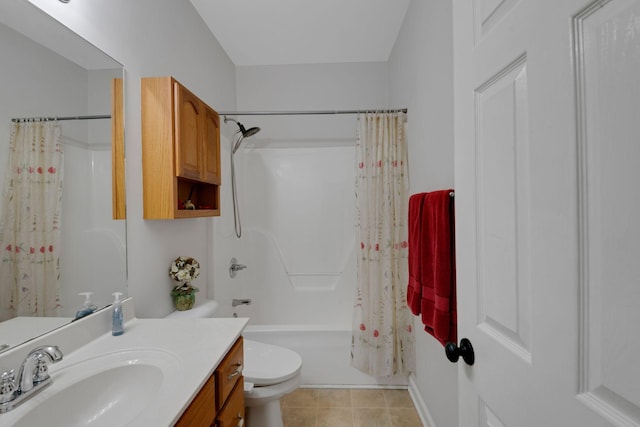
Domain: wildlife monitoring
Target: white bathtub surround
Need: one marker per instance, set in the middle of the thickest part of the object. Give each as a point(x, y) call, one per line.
point(383, 340)
point(296, 191)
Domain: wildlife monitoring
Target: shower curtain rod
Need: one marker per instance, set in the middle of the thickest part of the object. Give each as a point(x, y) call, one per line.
point(311, 112)
point(106, 116)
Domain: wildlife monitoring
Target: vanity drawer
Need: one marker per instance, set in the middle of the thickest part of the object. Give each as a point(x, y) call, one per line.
point(228, 373)
point(232, 414)
point(201, 411)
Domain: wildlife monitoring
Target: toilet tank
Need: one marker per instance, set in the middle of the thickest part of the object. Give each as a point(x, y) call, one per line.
point(201, 309)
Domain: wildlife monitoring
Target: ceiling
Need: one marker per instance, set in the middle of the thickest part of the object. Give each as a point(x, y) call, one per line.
point(272, 32)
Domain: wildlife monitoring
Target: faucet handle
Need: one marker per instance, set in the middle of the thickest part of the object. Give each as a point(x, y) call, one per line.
point(40, 371)
point(7, 386)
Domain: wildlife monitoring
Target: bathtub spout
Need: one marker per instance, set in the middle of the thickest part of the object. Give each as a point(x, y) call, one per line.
point(237, 302)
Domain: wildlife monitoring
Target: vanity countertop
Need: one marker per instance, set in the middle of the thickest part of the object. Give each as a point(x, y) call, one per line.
point(198, 344)
point(196, 347)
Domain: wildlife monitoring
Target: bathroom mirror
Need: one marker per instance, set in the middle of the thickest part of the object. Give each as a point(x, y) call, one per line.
point(49, 71)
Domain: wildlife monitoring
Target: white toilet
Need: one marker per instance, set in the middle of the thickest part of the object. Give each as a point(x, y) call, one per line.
point(269, 372)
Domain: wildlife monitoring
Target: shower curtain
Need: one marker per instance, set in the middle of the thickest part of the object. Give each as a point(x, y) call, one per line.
point(382, 339)
point(30, 221)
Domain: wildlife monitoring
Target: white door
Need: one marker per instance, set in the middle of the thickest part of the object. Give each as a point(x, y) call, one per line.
point(547, 174)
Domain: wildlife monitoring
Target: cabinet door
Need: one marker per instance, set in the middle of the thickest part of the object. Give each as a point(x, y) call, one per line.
point(232, 414)
point(211, 147)
point(201, 411)
point(229, 372)
point(188, 133)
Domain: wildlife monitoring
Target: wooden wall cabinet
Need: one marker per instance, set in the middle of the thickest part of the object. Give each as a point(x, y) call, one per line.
point(180, 152)
point(220, 402)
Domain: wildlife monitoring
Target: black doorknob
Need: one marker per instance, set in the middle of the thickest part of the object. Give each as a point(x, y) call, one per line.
point(465, 350)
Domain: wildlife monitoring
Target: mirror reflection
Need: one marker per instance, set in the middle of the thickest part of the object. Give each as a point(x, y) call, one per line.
point(49, 72)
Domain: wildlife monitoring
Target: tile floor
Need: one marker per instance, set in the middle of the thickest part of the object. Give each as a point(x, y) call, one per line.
point(311, 407)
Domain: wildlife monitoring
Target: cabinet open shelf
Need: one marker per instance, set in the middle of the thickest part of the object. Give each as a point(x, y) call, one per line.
point(205, 197)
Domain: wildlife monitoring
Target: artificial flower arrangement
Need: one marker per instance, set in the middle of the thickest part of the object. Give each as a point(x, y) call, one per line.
point(184, 270)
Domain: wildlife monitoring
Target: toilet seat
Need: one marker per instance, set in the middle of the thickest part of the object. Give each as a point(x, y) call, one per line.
point(266, 364)
point(260, 396)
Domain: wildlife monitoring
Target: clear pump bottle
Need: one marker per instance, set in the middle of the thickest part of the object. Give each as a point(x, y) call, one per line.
point(117, 325)
point(87, 307)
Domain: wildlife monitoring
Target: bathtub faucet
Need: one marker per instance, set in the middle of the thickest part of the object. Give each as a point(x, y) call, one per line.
point(234, 267)
point(237, 302)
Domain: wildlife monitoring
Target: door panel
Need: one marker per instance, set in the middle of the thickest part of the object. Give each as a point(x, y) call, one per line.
point(547, 109)
point(608, 52)
point(188, 133)
point(489, 13)
point(502, 196)
point(210, 145)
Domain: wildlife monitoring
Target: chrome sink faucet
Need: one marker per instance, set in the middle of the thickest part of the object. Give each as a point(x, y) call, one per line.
point(33, 376)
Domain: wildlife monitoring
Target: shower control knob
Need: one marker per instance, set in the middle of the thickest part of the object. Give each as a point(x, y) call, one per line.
point(465, 350)
point(234, 267)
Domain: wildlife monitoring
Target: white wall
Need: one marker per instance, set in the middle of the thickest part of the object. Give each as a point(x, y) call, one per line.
point(155, 38)
point(421, 78)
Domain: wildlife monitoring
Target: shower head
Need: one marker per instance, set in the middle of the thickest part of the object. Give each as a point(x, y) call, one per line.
point(246, 133)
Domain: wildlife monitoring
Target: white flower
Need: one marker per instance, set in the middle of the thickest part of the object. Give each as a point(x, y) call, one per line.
point(184, 269)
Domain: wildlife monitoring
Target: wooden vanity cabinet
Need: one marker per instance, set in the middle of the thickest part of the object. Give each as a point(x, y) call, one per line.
point(220, 402)
point(180, 152)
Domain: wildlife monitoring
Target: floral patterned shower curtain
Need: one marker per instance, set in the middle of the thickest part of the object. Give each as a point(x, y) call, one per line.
point(30, 221)
point(383, 340)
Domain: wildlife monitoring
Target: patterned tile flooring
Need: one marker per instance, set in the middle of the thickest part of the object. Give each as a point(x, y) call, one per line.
point(309, 407)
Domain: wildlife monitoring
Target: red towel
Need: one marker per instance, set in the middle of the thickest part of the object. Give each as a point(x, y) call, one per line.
point(414, 289)
point(436, 251)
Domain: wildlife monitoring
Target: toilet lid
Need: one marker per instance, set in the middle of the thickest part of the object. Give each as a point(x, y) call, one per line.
point(266, 364)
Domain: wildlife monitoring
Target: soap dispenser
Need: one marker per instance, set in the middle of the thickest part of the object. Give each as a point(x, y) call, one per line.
point(117, 325)
point(87, 307)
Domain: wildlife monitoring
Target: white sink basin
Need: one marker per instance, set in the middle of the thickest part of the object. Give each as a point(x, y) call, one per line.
point(107, 390)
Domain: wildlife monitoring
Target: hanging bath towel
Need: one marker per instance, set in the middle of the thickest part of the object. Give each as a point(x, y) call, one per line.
point(432, 246)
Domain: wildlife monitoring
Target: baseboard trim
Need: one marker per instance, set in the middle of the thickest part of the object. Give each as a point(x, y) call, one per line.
point(421, 406)
point(356, 386)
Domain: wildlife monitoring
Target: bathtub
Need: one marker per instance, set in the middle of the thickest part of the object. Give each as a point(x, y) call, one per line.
point(325, 352)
